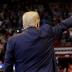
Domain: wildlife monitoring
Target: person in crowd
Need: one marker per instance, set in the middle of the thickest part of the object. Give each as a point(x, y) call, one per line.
point(32, 50)
point(2, 50)
point(69, 68)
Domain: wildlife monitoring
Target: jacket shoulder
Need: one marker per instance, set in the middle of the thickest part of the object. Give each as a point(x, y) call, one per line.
point(46, 30)
point(14, 37)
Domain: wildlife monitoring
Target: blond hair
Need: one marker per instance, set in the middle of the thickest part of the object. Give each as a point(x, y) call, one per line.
point(31, 19)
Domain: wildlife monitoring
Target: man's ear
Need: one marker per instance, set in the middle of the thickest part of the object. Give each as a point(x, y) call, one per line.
point(38, 25)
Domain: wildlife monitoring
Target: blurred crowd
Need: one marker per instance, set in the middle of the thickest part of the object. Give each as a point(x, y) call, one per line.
point(52, 13)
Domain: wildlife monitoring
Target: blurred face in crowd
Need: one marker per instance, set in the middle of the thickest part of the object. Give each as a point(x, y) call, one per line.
point(1, 47)
point(69, 68)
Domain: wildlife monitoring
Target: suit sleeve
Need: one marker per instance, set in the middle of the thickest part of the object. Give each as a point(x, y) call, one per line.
point(64, 25)
point(9, 57)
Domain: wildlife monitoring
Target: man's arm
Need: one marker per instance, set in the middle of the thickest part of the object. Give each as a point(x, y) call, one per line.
point(9, 57)
point(64, 25)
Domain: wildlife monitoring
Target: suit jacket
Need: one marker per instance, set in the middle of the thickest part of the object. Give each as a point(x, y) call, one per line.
point(32, 50)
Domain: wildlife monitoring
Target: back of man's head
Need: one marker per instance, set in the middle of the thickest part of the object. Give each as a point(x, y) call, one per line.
point(31, 19)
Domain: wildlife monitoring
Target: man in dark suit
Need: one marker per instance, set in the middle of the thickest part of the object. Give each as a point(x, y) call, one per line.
point(32, 50)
